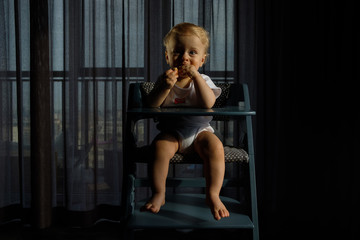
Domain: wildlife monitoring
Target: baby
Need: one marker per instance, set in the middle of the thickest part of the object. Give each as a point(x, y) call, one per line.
point(183, 86)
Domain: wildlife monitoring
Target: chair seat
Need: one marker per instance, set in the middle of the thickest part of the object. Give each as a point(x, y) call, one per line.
point(232, 154)
point(189, 211)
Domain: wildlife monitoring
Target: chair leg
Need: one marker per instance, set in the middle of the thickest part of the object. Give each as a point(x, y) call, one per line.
point(255, 233)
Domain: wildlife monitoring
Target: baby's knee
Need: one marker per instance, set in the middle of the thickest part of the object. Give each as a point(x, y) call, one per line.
point(209, 141)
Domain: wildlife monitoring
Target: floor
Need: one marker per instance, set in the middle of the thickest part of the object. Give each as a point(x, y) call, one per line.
point(111, 231)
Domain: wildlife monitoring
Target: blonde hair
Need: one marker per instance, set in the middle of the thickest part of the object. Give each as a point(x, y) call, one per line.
point(184, 28)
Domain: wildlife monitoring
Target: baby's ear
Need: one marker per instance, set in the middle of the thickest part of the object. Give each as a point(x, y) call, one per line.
point(203, 60)
point(166, 57)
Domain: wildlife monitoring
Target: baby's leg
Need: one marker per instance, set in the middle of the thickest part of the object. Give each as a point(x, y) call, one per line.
point(211, 150)
point(165, 146)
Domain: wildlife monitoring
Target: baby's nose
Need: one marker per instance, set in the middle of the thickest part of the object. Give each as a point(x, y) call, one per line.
point(185, 56)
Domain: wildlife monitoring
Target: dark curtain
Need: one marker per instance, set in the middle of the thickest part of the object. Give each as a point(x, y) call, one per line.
point(307, 119)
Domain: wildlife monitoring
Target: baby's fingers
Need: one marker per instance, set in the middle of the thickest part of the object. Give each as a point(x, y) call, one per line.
point(170, 78)
point(172, 73)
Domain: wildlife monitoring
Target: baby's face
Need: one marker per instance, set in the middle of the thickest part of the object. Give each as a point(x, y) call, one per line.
point(185, 50)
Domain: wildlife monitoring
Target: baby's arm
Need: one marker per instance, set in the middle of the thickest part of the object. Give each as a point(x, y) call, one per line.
point(205, 95)
point(162, 88)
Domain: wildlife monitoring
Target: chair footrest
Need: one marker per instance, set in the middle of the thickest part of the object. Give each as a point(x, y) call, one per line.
point(189, 211)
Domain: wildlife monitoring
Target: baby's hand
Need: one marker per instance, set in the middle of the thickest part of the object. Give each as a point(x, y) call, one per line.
point(187, 71)
point(170, 78)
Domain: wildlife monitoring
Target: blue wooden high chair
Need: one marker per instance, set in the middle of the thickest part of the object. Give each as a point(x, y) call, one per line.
point(189, 210)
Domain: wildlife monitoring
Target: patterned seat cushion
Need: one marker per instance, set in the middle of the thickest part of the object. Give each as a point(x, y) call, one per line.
point(146, 88)
point(232, 154)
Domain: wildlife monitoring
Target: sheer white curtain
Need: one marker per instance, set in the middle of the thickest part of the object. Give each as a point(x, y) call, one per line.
point(85, 55)
point(218, 18)
point(14, 108)
point(95, 46)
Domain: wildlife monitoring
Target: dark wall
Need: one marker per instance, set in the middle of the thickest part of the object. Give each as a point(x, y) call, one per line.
point(307, 119)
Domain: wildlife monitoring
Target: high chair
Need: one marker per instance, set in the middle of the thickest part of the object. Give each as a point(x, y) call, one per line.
point(189, 210)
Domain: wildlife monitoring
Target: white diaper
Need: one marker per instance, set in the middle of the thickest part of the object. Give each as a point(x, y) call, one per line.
point(187, 136)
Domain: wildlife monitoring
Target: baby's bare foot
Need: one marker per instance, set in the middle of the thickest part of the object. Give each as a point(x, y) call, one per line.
point(217, 208)
point(154, 204)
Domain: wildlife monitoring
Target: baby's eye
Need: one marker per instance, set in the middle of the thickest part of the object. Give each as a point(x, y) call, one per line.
point(193, 52)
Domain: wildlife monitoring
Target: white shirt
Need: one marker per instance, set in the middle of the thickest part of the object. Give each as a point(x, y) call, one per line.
point(186, 97)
